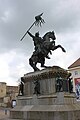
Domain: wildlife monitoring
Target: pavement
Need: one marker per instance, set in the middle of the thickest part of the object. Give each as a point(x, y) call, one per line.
point(4, 113)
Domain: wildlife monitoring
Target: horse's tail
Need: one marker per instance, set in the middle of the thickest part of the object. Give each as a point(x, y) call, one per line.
point(30, 62)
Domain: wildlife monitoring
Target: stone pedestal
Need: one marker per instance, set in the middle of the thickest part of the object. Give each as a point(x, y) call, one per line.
point(49, 105)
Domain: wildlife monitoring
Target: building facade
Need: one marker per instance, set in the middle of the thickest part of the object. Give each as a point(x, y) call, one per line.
point(2, 92)
point(7, 94)
point(2, 89)
point(75, 70)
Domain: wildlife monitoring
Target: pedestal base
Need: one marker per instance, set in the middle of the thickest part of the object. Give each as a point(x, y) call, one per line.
point(46, 112)
point(61, 106)
point(49, 105)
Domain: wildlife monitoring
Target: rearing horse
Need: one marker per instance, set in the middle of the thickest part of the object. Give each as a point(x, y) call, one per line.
point(47, 46)
point(51, 44)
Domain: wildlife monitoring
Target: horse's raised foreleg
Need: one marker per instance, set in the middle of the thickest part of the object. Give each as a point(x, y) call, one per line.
point(58, 46)
point(62, 48)
point(33, 65)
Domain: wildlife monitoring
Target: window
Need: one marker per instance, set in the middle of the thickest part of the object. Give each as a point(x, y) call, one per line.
point(76, 72)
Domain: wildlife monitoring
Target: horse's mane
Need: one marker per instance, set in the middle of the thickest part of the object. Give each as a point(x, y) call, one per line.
point(45, 35)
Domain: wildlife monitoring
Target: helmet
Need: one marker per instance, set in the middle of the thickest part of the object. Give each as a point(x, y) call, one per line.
point(37, 34)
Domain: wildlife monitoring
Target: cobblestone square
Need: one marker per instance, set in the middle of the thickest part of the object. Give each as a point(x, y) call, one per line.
point(4, 113)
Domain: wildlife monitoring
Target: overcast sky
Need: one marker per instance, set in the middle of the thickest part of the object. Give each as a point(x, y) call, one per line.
point(16, 16)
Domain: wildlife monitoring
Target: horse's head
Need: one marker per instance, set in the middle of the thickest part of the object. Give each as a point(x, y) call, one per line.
point(49, 35)
point(52, 35)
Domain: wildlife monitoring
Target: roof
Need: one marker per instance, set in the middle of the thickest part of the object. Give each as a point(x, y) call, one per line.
point(2, 82)
point(75, 64)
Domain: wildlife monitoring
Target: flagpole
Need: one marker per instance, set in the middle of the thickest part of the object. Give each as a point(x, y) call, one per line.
point(27, 31)
point(38, 20)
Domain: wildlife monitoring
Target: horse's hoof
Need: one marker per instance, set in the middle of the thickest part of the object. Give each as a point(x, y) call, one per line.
point(46, 66)
point(36, 69)
point(63, 50)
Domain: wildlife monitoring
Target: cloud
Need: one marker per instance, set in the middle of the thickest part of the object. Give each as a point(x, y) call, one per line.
point(12, 67)
point(17, 16)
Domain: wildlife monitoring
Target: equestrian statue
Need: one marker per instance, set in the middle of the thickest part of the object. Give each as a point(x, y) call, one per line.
point(43, 46)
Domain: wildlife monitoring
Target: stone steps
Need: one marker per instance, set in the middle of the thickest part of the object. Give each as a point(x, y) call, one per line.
point(15, 119)
point(40, 111)
point(16, 115)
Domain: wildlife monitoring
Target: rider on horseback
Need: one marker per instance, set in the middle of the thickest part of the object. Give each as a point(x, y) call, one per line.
point(38, 43)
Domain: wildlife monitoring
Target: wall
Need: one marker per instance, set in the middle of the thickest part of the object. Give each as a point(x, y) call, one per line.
point(75, 74)
point(2, 89)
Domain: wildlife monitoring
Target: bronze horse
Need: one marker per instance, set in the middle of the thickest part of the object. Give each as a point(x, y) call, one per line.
point(47, 46)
